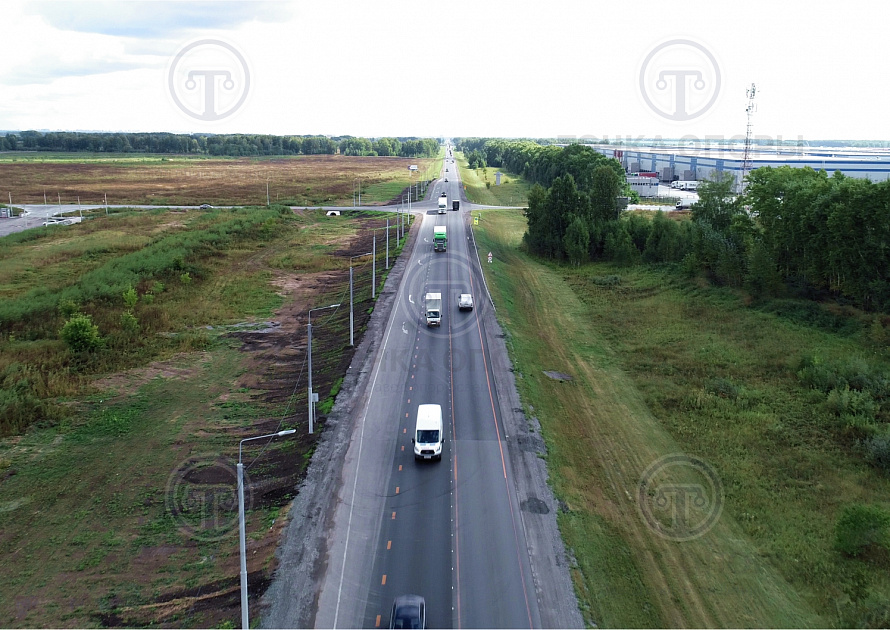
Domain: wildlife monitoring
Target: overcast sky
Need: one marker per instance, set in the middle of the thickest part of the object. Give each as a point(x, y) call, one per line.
point(454, 68)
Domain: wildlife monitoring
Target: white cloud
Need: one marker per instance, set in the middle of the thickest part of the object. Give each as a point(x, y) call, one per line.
point(400, 67)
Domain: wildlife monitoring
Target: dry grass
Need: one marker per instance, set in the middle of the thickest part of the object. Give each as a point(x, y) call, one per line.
point(303, 180)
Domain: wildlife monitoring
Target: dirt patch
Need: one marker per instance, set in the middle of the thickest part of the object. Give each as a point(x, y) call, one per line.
point(180, 366)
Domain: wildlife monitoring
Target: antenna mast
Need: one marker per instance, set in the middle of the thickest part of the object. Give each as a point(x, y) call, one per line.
point(749, 138)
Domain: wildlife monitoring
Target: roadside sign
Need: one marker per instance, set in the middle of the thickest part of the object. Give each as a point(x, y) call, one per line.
point(476, 220)
point(489, 257)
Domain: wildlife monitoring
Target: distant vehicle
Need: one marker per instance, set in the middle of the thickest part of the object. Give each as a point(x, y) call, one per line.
point(446, 169)
point(428, 435)
point(455, 205)
point(205, 206)
point(681, 185)
point(685, 203)
point(440, 238)
point(332, 213)
point(446, 180)
point(408, 611)
point(433, 305)
point(62, 221)
point(465, 302)
point(443, 203)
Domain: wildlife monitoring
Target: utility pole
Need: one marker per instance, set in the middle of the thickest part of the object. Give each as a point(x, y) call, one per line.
point(387, 243)
point(374, 267)
point(267, 192)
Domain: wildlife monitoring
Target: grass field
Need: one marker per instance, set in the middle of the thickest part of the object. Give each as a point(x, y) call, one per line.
point(661, 364)
point(513, 190)
point(117, 504)
point(180, 180)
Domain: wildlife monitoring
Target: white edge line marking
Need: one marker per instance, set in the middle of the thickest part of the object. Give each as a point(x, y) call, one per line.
point(359, 457)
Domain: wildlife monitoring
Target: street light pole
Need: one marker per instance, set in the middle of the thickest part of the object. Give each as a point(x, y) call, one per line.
point(244, 616)
point(374, 267)
point(311, 401)
point(351, 258)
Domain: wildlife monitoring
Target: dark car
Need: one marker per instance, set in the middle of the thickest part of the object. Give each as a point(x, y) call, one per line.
point(408, 611)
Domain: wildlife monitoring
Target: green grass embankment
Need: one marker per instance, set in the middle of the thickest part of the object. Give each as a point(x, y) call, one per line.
point(480, 185)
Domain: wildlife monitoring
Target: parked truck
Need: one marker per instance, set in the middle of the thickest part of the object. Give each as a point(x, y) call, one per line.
point(443, 203)
point(440, 238)
point(455, 205)
point(433, 303)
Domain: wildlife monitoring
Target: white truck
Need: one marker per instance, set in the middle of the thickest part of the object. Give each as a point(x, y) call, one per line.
point(443, 203)
point(433, 303)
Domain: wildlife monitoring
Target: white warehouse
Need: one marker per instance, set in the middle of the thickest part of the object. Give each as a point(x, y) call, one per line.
point(678, 163)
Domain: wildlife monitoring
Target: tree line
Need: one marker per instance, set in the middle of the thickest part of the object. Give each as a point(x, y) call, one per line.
point(216, 144)
point(796, 231)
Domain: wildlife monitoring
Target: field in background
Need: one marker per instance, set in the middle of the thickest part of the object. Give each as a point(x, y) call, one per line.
point(180, 180)
point(480, 185)
point(661, 364)
point(94, 529)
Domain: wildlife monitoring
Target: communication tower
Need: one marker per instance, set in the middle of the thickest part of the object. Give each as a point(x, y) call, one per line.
point(749, 137)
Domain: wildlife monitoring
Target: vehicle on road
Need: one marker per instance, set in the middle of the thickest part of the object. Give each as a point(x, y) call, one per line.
point(443, 203)
point(455, 205)
point(465, 302)
point(428, 434)
point(408, 611)
point(446, 180)
point(433, 304)
point(685, 203)
point(205, 206)
point(440, 238)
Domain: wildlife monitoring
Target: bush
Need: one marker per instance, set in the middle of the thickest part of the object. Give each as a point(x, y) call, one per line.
point(130, 298)
point(129, 324)
point(861, 527)
point(81, 334)
point(849, 402)
point(877, 450)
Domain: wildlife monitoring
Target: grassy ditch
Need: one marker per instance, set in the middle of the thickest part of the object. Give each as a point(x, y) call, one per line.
point(479, 185)
point(662, 364)
point(117, 503)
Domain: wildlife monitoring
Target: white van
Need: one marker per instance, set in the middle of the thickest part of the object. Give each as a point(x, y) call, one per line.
point(429, 436)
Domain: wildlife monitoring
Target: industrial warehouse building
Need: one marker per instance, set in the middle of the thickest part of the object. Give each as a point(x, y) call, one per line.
point(678, 163)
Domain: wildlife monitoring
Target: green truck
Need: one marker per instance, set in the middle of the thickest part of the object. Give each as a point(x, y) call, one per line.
point(440, 240)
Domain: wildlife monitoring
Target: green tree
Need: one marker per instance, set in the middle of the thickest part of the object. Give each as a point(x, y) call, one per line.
point(577, 241)
point(605, 188)
point(717, 204)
